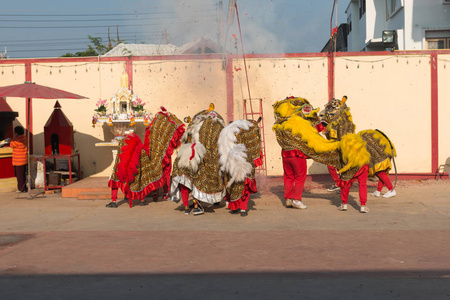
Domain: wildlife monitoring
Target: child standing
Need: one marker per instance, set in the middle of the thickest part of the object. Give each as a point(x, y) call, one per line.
point(20, 157)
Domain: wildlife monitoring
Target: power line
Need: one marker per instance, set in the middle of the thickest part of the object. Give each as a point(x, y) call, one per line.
point(96, 15)
point(95, 26)
point(102, 20)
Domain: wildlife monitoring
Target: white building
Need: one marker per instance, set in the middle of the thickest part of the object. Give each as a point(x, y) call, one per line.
point(420, 24)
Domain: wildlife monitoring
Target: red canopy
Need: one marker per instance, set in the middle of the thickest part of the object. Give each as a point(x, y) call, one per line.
point(33, 90)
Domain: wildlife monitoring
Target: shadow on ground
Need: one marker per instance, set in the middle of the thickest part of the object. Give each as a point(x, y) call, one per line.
point(263, 285)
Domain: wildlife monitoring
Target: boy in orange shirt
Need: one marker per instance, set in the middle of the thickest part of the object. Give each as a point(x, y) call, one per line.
point(20, 157)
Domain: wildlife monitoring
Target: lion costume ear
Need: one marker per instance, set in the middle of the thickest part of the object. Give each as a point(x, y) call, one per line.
point(187, 120)
point(211, 107)
point(344, 99)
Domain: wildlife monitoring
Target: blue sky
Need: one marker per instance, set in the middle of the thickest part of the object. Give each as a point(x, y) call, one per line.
point(50, 28)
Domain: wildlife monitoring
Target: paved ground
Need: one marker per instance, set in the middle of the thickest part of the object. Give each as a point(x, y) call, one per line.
point(59, 248)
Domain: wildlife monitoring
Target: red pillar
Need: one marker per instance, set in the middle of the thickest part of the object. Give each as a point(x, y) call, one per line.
point(229, 84)
point(434, 114)
point(129, 70)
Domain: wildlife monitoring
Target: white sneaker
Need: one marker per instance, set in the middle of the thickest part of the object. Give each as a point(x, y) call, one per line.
point(376, 194)
point(390, 194)
point(288, 202)
point(364, 209)
point(343, 207)
point(298, 204)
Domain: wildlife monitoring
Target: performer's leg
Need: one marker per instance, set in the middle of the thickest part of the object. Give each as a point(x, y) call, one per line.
point(143, 202)
point(362, 180)
point(243, 203)
point(227, 200)
point(384, 178)
point(166, 173)
point(380, 183)
point(114, 192)
point(299, 167)
point(344, 194)
point(387, 182)
point(333, 173)
point(345, 191)
point(185, 196)
point(288, 178)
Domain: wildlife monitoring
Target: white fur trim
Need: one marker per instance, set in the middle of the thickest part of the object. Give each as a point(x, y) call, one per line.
point(185, 154)
point(233, 157)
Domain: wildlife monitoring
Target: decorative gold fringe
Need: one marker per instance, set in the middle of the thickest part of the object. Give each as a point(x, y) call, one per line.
point(385, 165)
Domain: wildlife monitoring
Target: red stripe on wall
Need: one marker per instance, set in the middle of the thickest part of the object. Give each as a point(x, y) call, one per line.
point(230, 90)
point(129, 70)
point(434, 114)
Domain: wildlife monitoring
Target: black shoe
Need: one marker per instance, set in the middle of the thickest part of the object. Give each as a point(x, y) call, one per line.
point(244, 213)
point(234, 212)
point(187, 211)
point(198, 211)
point(144, 203)
point(112, 204)
point(334, 188)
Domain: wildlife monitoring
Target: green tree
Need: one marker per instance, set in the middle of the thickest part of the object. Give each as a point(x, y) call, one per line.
point(97, 48)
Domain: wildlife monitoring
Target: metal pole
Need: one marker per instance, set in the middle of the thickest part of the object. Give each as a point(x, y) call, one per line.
point(28, 148)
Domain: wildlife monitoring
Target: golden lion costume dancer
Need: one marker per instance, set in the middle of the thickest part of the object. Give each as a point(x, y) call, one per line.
point(338, 120)
point(142, 168)
point(240, 153)
point(352, 155)
point(294, 159)
point(196, 168)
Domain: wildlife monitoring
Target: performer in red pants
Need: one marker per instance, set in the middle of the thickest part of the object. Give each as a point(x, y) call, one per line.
point(383, 180)
point(241, 205)
point(345, 186)
point(167, 169)
point(113, 203)
point(185, 198)
point(335, 176)
point(294, 165)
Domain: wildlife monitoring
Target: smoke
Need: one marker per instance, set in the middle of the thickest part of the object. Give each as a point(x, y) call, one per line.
point(267, 26)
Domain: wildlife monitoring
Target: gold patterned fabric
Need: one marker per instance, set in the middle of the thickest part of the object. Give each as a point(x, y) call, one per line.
point(251, 139)
point(288, 141)
point(205, 182)
point(380, 159)
point(162, 137)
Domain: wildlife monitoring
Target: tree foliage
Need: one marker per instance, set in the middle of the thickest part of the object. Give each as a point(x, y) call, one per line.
point(95, 48)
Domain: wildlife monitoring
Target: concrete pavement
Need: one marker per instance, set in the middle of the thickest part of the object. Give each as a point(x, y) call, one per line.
point(64, 248)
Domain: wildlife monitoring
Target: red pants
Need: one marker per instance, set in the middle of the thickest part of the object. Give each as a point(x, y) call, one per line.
point(167, 169)
point(184, 195)
point(383, 181)
point(345, 186)
point(114, 192)
point(294, 177)
point(334, 173)
point(241, 203)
